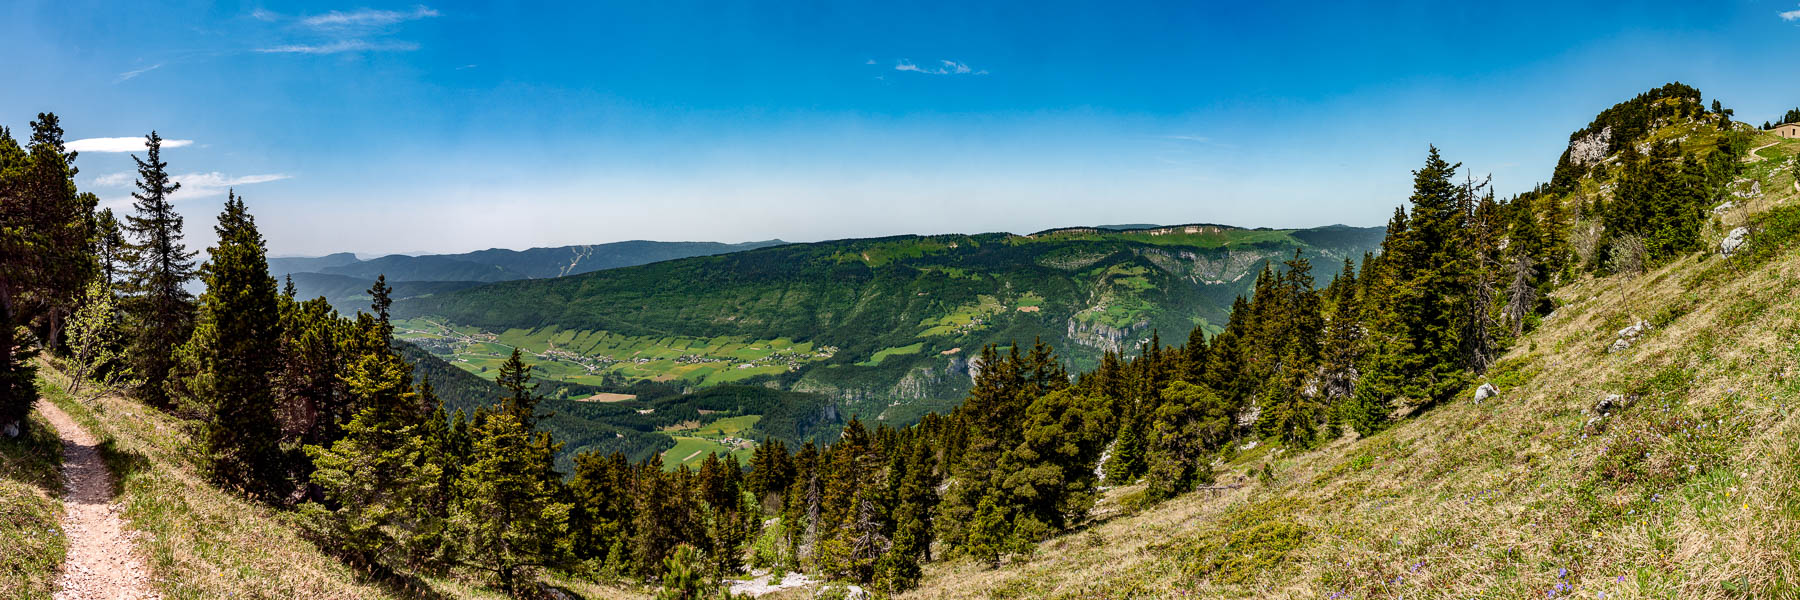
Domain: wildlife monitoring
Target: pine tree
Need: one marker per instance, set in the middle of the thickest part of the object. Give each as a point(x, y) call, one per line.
point(509, 518)
point(19, 251)
point(1048, 479)
point(161, 307)
point(1191, 421)
point(683, 577)
point(227, 364)
point(601, 487)
point(379, 473)
point(989, 537)
point(62, 219)
point(1416, 353)
point(109, 247)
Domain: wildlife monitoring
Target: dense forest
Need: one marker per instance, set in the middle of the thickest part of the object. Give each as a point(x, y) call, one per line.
point(326, 416)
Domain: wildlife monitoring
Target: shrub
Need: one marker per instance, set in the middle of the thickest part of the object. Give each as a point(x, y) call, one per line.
point(1253, 540)
point(1772, 233)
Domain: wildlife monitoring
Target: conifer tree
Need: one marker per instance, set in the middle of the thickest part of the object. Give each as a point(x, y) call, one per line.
point(109, 248)
point(19, 251)
point(1048, 478)
point(380, 473)
point(227, 364)
point(62, 219)
point(601, 487)
point(1191, 421)
point(161, 307)
point(510, 517)
point(1416, 354)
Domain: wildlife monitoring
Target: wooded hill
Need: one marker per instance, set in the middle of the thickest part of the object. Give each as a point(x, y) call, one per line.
point(892, 322)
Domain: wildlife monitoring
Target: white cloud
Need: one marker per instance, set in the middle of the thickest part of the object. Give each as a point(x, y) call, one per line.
point(871, 61)
point(120, 144)
point(1792, 15)
point(367, 17)
point(340, 46)
point(119, 179)
point(948, 67)
point(264, 15)
point(136, 72)
point(203, 185)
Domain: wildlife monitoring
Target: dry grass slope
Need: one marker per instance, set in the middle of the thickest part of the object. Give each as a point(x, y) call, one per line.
point(1691, 492)
point(31, 542)
point(206, 543)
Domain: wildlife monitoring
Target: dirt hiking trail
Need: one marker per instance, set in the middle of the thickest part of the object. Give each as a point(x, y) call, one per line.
point(102, 562)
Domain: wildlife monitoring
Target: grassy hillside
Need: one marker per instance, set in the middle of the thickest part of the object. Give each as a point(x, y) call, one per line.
point(1688, 491)
point(884, 326)
point(30, 511)
point(203, 542)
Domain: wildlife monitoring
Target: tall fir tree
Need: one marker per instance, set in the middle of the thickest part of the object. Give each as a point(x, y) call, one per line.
point(228, 362)
point(1416, 353)
point(161, 307)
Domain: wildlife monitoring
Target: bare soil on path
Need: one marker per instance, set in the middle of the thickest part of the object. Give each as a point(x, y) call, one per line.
point(103, 563)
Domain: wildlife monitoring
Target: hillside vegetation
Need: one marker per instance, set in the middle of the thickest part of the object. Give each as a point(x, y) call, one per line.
point(1657, 468)
point(884, 326)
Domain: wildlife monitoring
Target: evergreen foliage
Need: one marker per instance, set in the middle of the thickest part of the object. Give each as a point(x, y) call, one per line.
point(226, 366)
point(162, 310)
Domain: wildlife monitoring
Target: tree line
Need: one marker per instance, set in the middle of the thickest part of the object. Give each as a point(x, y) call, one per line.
point(304, 408)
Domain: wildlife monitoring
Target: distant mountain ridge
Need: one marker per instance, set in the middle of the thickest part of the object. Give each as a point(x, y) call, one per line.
point(343, 278)
point(500, 264)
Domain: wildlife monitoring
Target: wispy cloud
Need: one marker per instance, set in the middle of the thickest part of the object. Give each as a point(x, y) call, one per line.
point(1201, 139)
point(264, 15)
point(136, 72)
point(945, 67)
point(119, 144)
point(1792, 15)
point(206, 185)
point(340, 46)
point(122, 178)
point(367, 17)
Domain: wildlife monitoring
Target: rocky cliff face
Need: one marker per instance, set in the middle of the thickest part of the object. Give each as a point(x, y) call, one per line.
point(1104, 337)
point(1220, 267)
point(1590, 149)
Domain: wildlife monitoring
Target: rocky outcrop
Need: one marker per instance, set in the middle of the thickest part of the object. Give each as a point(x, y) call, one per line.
point(1734, 241)
point(1628, 335)
point(1487, 390)
point(1590, 149)
point(1102, 336)
point(922, 381)
point(1214, 267)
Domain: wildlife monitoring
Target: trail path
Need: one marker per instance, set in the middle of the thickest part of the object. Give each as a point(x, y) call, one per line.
point(1754, 157)
point(102, 564)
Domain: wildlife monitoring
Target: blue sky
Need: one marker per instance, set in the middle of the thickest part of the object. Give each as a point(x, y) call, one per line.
point(403, 127)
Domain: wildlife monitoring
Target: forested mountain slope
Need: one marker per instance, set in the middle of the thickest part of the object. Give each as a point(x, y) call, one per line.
point(875, 324)
point(1639, 443)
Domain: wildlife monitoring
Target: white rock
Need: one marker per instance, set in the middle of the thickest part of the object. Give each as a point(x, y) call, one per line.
point(1487, 390)
point(1720, 209)
point(1733, 241)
